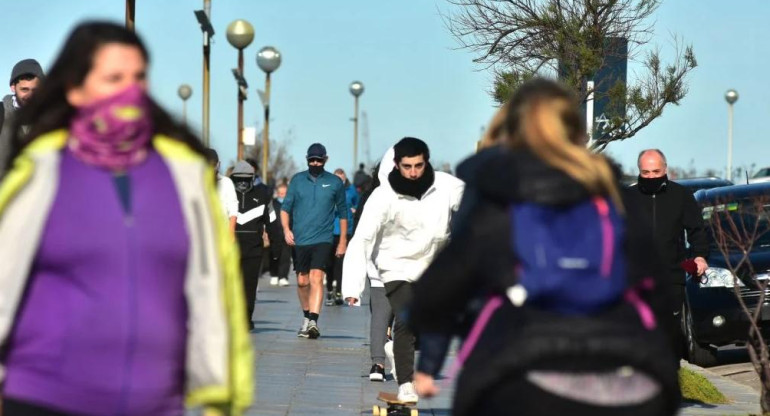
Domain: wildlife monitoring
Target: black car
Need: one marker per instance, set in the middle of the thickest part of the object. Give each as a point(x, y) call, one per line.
point(712, 315)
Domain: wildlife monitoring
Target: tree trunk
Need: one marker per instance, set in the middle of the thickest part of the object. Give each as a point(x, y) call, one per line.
point(764, 395)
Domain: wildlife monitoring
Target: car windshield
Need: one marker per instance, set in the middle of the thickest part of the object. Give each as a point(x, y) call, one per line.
point(739, 222)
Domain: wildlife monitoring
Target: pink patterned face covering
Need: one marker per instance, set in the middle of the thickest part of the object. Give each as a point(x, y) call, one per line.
point(113, 133)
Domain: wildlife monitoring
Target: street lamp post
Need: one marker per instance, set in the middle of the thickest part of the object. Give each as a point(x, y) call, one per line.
point(356, 88)
point(240, 33)
point(130, 14)
point(184, 91)
point(204, 18)
point(268, 60)
point(731, 96)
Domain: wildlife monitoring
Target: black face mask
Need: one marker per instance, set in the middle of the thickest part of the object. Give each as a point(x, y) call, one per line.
point(243, 184)
point(652, 185)
point(412, 187)
point(315, 170)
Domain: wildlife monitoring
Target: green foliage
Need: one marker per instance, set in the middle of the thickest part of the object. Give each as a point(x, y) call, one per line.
point(697, 388)
point(520, 39)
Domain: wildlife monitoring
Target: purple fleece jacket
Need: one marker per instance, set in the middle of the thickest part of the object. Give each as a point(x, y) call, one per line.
point(102, 329)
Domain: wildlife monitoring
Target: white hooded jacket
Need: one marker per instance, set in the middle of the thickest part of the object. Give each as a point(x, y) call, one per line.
point(399, 233)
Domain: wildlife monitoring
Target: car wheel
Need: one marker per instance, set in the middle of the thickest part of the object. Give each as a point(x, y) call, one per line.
point(702, 355)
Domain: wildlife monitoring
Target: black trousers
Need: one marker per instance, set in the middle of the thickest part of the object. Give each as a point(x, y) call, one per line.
point(676, 295)
point(334, 270)
point(522, 398)
point(280, 261)
point(399, 295)
point(16, 408)
point(250, 268)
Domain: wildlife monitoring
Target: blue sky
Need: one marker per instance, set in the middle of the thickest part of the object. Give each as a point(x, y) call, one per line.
point(417, 82)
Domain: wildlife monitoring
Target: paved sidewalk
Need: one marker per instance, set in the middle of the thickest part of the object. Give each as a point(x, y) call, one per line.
point(330, 375)
point(327, 376)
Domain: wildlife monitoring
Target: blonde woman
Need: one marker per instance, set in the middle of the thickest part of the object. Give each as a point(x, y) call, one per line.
point(540, 345)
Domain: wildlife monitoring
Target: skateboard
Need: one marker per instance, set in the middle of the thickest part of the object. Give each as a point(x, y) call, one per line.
point(394, 406)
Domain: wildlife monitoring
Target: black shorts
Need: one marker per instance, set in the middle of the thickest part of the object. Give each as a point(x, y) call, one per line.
point(312, 257)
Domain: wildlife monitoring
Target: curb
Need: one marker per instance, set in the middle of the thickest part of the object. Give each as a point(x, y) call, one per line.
point(744, 400)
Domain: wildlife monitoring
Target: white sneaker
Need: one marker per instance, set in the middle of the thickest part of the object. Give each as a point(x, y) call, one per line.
point(391, 357)
point(406, 393)
point(283, 282)
point(273, 281)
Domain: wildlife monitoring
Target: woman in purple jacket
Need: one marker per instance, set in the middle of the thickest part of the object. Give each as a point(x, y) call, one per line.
point(119, 285)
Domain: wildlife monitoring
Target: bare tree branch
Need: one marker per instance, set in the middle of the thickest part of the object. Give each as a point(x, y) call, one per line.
point(519, 39)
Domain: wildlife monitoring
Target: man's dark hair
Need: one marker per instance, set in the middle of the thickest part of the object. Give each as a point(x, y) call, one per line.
point(410, 147)
point(23, 77)
point(211, 156)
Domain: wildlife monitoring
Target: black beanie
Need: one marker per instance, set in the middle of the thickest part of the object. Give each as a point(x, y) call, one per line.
point(24, 67)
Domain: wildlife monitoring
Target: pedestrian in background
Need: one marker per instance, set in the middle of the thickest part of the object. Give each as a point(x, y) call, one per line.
point(380, 313)
point(225, 189)
point(280, 252)
point(572, 294)
point(334, 268)
point(670, 211)
point(121, 292)
point(315, 197)
point(255, 209)
point(26, 77)
point(404, 226)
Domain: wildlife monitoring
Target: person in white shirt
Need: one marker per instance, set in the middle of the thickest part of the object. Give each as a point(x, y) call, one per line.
point(402, 228)
point(225, 189)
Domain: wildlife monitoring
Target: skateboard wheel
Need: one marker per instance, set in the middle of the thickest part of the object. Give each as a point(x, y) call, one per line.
point(383, 411)
point(376, 410)
point(414, 412)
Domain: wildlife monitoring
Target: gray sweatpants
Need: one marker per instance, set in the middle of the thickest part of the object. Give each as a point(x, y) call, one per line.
point(381, 318)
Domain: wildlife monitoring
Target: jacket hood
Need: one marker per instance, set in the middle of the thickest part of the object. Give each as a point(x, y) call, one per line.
point(516, 176)
point(243, 168)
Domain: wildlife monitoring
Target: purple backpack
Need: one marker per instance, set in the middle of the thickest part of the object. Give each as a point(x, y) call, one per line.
point(571, 258)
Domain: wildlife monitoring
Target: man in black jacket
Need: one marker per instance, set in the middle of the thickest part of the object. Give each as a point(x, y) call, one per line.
point(673, 216)
point(254, 211)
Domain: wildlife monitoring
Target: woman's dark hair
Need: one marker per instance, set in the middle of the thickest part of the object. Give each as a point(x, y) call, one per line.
point(49, 109)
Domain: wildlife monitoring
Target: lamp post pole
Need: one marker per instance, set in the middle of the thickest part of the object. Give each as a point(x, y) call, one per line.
point(731, 96)
point(184, 91)
point(268, 60)
point(204, 19)
point(356, 88)
point(130, 14)
point(240, 34)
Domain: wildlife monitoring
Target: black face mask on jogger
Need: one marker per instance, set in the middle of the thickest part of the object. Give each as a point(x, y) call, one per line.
point(315, 170)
